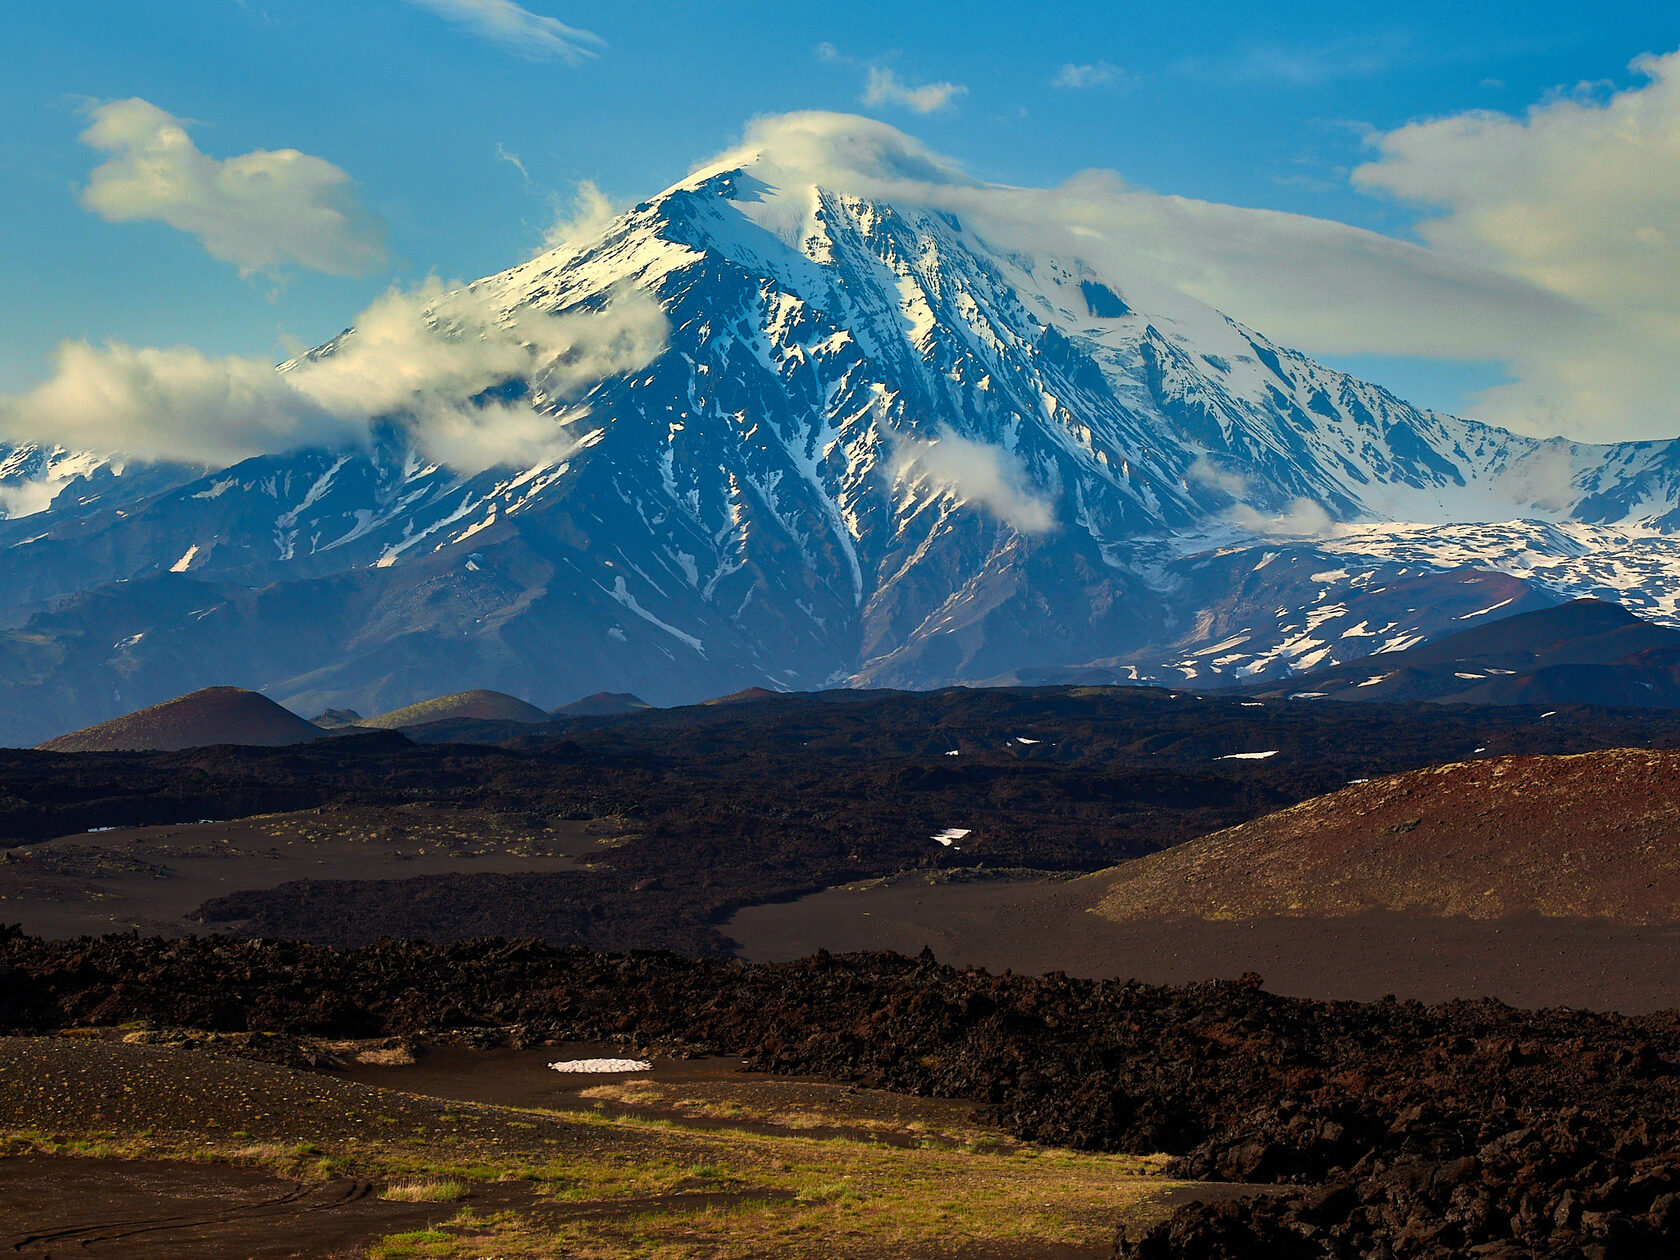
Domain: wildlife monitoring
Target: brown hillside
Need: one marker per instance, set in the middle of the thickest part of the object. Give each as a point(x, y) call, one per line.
point(480, 705)
point(1589, 836)
point(215, 715)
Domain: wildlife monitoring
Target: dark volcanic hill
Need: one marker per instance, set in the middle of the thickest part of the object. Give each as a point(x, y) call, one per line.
point(602, 704)
point(215, 715)
point(1587, 651)
point(478, 705)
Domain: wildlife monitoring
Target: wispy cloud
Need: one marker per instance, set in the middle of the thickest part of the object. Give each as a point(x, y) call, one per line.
point(989, 477)
point(258, 211)
point(1076, 77)
point(590, 211)
point(423, 360)
point(1577, 197)
point(504, 154)
point(1304, 64)
point(886, 88)
point(518, 29)
point(882, 85)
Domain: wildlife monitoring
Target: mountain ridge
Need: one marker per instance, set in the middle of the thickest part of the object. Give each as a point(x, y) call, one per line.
point(876, 449)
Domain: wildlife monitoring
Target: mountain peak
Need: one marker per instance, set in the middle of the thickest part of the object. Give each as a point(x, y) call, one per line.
point(828, 410)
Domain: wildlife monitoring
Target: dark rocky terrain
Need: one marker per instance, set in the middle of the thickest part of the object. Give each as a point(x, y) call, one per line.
point(1396, 1129)
point(765, 799)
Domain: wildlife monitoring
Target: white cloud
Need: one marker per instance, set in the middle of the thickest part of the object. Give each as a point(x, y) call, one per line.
point(1302, 519)
point(987, 476)
point(1226, 480)
point(259, 211)
point(590, 211)
point(517, 29)
point(886, 88)
point(1322, 286)
point(507, 155)
point(170, 404)
point(423, 360)
point(1088, 75)
point(1577, 198)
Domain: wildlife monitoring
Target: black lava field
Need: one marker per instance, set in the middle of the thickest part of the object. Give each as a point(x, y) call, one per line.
point(1391, 1129)
point(772, 797)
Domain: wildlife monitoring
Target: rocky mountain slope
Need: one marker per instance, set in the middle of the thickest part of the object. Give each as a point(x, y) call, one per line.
point(875, 445)
point(1582, 652)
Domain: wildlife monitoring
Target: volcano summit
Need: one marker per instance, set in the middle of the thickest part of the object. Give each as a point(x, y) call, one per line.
point(819, 414)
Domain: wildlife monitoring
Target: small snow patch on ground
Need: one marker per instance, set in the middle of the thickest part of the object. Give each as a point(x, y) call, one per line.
point(602, 1065)
point(1482, 612)
point(1022, 739)
point(1309, 695)
point(1255, 756)
point(953, 753)
point(1549, 713)
point(1373, 680)
point(951, 835)
point(185, 562)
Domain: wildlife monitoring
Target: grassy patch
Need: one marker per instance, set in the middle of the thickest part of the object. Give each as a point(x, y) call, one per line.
point(596, 1187)
point(425, 1191)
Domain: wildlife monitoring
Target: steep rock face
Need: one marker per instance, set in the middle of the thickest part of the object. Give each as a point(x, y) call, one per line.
point(876, 447)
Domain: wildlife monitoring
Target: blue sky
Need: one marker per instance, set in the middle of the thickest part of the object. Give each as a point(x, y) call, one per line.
point(463, 128)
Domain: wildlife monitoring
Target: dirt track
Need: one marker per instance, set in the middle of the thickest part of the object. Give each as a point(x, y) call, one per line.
point(60, 1206)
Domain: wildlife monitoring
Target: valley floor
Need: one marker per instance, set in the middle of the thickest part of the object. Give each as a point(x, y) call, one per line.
point(1038, 926)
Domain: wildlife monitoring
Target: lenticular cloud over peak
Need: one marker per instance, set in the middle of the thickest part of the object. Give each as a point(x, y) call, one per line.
point(1323, 286)
point(844, 152)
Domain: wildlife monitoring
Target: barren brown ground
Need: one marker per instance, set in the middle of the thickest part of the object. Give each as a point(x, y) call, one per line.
point(150, 878)
point(1541, 881)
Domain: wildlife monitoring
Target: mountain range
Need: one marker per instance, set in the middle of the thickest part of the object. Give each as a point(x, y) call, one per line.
point(876, 444)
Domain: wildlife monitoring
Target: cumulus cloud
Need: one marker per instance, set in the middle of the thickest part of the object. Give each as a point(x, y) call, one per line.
point(886, 88)
point(517, 29)
point(170, 404)
point(1322, 286)
point(979, 473)
point(1088, 75)
point(258, 211)
point(1577, 198)
point(431, 361)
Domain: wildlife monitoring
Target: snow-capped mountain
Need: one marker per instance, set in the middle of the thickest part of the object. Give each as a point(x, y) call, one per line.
point(877, 446)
